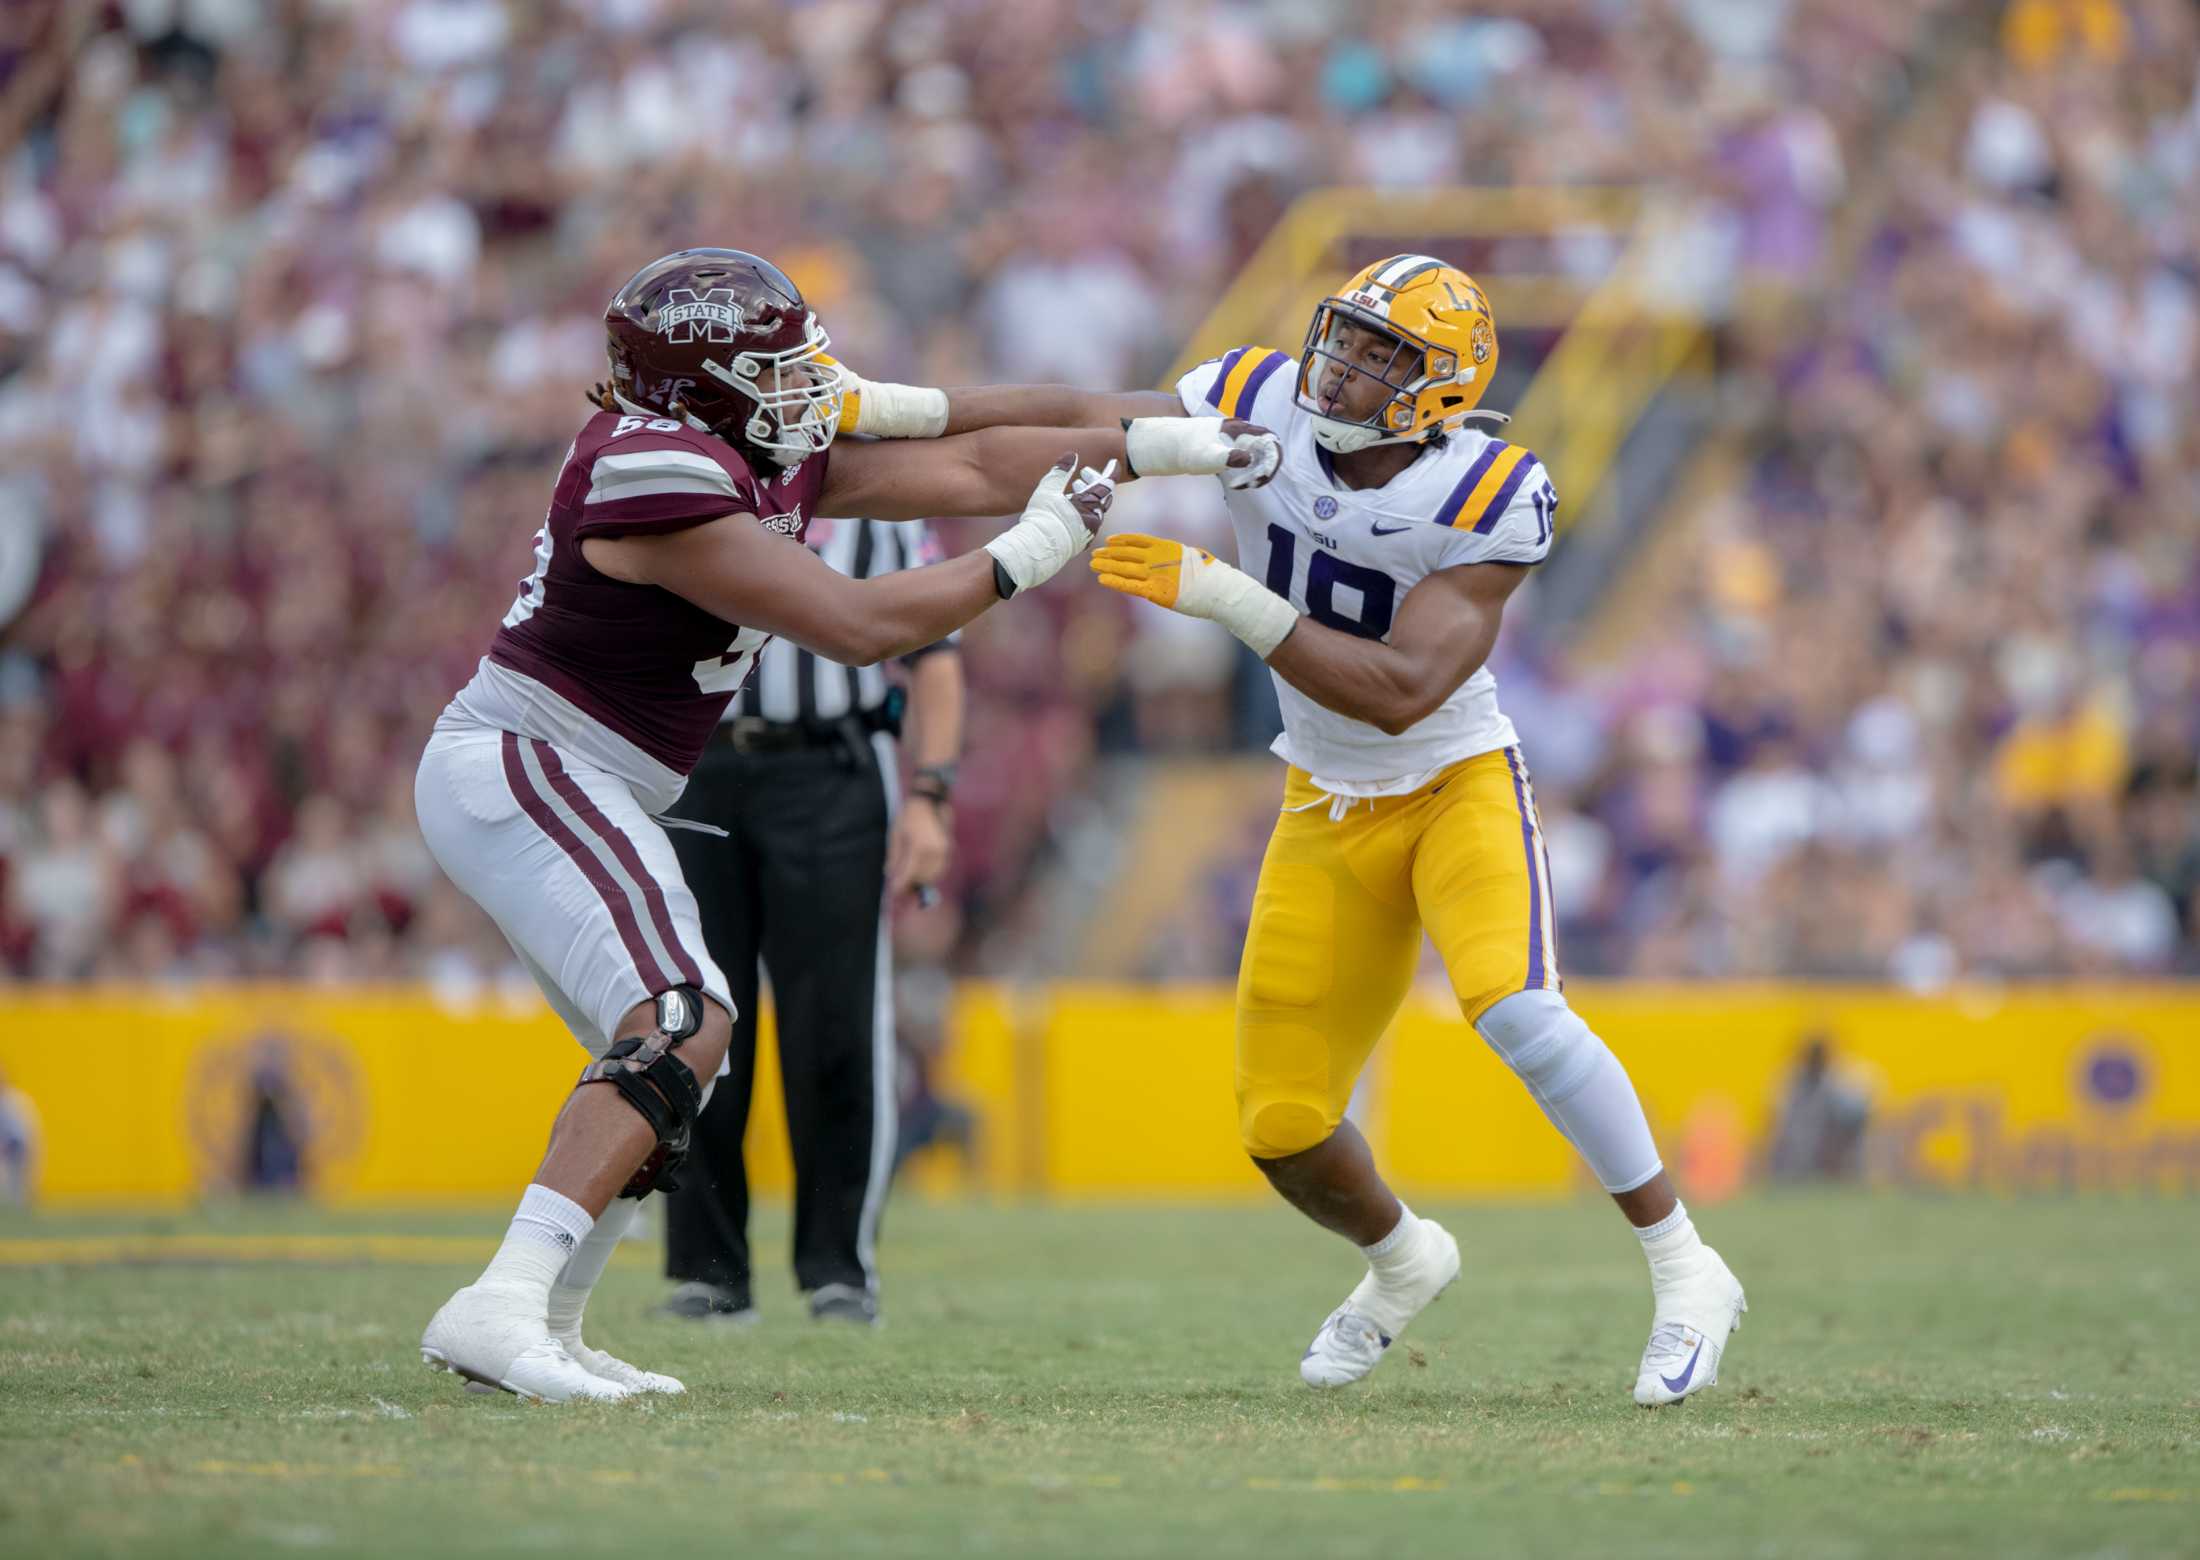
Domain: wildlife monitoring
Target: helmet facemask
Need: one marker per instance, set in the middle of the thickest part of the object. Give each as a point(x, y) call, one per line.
point(1412, 365)
point(796, 395)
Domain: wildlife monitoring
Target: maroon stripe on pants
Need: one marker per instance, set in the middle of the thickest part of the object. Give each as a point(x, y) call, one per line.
point(537, 807)
point(622, 851)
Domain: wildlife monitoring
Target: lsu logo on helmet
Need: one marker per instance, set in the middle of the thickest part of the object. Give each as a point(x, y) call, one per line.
point(1443, 352)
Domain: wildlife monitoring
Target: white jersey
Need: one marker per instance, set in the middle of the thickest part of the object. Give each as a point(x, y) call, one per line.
point(1346, 557)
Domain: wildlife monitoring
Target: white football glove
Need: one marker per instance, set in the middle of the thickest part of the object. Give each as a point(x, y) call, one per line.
point(1065, 511)
point(1242, 454)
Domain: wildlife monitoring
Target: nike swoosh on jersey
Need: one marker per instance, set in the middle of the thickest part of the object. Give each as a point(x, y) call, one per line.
point(1680, 1383)
point(1388, 530)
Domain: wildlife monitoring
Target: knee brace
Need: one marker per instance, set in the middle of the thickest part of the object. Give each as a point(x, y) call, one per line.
point(658, 1085)
point(1543, 1041)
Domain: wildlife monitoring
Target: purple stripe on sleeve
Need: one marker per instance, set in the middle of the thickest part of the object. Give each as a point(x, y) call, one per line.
point(1222, 376)
point(537, 807)
point(622, 851)
point(1482, 463)
point(1504, 496)
point(1536, 977)
point(1253, 381)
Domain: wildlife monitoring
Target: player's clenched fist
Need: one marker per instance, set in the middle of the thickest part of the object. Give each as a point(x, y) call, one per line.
point(1242, 454)
point(1197, 583)
point(1059, 522)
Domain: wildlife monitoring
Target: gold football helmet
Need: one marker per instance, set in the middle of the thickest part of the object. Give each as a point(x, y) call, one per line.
point(1443, 353)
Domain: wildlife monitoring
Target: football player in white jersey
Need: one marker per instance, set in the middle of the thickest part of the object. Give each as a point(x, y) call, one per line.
point(1373, 571)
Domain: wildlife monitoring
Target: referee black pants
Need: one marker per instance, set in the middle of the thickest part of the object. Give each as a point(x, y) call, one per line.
point(800, 884)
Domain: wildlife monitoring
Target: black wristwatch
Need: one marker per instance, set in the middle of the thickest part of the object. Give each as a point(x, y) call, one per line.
point(935, 783)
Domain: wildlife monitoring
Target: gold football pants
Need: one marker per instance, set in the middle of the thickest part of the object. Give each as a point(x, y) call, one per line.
point(1345, 891)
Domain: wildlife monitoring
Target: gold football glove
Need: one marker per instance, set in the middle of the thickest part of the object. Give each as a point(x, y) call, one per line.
point(1195, 582)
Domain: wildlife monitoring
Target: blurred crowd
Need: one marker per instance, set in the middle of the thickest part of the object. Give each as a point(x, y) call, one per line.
point(298, 299)
point(1930, 706)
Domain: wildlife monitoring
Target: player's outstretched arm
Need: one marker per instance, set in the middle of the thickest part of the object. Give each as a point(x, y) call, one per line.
point(889, 411)
point(736, 570)
point(1443, 632)
point(1052, 406)
point(988, 472)
point(985, 473)
point(1160, 439)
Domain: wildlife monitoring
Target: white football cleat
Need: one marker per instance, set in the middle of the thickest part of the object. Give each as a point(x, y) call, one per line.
point(1351, 1342)
point(1688, 1332)
point(494, 1336)
point(611, 1368)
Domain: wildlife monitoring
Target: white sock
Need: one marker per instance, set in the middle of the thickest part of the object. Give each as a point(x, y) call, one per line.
point(1399, 1252)
point(569, 1295)
point(1671, 1244)
point(1388, 1296)
point(548, 1228)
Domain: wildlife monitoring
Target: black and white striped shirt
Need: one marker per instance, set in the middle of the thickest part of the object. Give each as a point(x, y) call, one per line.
point(791, 684)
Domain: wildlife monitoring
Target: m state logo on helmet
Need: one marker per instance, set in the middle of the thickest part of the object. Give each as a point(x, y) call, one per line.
point(1443, 353)
point(712, 317)
point(722, 338)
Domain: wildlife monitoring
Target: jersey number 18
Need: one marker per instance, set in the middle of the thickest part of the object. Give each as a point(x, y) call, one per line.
point(1325, 571)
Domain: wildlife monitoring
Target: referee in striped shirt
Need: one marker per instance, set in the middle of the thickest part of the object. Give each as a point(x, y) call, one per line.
point(803, 777)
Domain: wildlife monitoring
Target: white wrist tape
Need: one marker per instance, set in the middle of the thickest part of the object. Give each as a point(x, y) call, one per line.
point(1197, 447)
point(1243, 605)
point(1176, 446)
point(1051, 532)
point(890, 411)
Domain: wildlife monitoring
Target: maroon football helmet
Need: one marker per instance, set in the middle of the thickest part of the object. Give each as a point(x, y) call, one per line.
point(722, 337)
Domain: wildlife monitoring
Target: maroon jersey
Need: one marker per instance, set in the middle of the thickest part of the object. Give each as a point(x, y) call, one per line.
point(650, 667)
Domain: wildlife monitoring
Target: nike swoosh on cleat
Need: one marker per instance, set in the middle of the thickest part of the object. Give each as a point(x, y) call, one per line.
point(1389, 530)
point(1680, 1383)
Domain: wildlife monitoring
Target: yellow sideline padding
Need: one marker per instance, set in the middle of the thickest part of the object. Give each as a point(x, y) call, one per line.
point(143, 1097)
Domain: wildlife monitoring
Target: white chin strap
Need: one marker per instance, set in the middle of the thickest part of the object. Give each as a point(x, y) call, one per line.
point(1344, 438)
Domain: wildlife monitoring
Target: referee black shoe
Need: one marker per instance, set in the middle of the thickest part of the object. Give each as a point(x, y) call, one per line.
point(699, 1302)
point(844, 1303)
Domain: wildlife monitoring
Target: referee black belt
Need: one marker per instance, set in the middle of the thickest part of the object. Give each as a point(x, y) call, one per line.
point(755, 734)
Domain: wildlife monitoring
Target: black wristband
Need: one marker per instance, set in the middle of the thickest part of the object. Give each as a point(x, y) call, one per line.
point(1001, 580)
point(1129, 471)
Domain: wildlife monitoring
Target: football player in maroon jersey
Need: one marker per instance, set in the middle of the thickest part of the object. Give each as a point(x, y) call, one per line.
point(671, 553)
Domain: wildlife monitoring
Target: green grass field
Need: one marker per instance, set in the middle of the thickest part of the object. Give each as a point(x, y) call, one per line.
point(1916, 1377)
